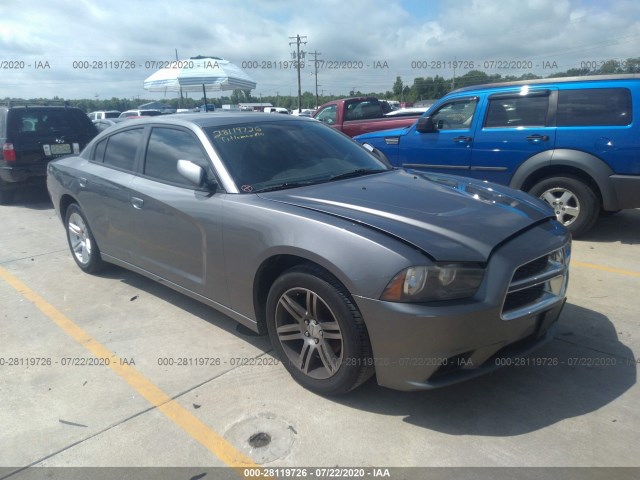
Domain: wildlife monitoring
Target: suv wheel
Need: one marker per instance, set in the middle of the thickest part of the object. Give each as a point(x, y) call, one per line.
point(318, 332)
point(6, 194)
point(574, 202)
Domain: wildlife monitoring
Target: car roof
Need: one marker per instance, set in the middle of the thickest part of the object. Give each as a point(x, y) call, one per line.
point(218, 119)
point(548, 81)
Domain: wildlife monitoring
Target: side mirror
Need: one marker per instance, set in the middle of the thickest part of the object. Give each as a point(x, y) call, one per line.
point(426, 125)
point(195, 174)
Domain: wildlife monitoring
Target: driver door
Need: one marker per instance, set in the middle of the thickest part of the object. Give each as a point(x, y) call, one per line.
point(448, 149)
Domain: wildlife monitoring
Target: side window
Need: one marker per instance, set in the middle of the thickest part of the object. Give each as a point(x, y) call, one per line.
point(167, 146)
point(121, 149)
point(597, 106)
point(528, 111)
point(98, 153)
point(328, 115)
point(456, 115)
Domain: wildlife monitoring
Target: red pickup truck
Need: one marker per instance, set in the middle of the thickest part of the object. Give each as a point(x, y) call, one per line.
point(355, 116)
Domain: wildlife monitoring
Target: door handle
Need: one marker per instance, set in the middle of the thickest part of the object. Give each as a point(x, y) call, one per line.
point(538, 138)
point(137, 203)
point(462, 139)
point(82, 182)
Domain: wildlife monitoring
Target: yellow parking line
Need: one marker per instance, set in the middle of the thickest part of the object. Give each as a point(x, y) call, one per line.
point(198, 430)
point(605, 269)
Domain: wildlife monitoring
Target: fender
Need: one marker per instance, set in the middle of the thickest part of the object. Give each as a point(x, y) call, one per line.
point(589, 164)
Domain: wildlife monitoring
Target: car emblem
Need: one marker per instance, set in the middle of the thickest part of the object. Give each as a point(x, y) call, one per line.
point(246, 188)
point(59, 140)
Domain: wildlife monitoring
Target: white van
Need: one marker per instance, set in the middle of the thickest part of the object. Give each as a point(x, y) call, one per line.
point(101, 115)
point(276, 110)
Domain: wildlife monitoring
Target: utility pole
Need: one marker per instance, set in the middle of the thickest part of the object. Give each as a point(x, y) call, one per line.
point(297, 42)
point(453, 80)
point(181, 99)
point(315, 62)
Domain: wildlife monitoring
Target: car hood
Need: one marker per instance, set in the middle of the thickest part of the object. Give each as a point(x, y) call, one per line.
point(449, 218)
point(393, 132)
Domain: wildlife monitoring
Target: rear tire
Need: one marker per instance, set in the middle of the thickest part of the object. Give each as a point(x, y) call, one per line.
point(574, 202)
point(83, 246)
point(318, 332)
point(7, 195)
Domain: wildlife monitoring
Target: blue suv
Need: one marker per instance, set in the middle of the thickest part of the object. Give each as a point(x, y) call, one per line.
point(573, 142)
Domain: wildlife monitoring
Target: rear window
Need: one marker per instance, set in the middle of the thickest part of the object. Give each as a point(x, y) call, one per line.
point(594, 107)
point(50, 122)
point(364, 110)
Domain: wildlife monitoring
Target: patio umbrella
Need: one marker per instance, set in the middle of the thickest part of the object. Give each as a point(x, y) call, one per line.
point(199, 73)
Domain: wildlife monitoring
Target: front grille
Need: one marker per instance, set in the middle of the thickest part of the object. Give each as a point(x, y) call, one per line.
point(532, 268)
point(524, 297)
point(537, 285)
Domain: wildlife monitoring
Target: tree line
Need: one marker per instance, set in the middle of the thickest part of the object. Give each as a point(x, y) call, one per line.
point(422, 88)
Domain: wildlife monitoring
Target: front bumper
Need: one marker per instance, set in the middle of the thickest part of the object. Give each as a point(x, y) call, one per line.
point(418, 347)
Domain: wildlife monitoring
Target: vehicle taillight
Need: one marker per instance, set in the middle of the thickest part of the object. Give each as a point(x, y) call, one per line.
point(8, 153)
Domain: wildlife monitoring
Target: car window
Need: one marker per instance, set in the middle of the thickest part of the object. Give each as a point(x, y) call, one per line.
point(50, 122)
point(273, 153)
point(98, 152)
point(122, 147)
point(598, 106)
point(527, 111)
point(362, 110)
point(111, 114)
point(456, 115)
point(328, 115)
point(166, 146)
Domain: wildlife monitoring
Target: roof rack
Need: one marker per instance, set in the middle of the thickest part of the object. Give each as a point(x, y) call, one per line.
point(34, 103)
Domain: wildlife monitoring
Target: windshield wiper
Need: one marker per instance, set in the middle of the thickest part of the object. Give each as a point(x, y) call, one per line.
point(282, 186)
point(357, 173)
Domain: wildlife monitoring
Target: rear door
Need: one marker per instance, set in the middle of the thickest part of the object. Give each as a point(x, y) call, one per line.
point(516, 126)
point(104, 192)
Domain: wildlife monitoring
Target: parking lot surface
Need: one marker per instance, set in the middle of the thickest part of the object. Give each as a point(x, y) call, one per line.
point(117, 370)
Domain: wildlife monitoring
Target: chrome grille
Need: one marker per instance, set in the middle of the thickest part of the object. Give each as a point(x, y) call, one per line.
point(538, 285)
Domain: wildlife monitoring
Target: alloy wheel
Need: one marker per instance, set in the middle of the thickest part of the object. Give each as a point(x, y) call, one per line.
point(309, 333)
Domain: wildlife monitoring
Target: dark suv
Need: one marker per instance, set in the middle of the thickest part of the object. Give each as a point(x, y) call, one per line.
point(31, 135)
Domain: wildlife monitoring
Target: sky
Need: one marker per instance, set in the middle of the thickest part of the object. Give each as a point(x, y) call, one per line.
point(102, 49)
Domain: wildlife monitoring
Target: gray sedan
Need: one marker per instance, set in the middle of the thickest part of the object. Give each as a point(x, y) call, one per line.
point(353, 268)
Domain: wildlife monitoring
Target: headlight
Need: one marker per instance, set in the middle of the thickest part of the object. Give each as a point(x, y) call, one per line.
point(432, 283)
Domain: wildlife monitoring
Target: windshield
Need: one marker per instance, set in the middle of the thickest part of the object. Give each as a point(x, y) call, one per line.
point(270, 155)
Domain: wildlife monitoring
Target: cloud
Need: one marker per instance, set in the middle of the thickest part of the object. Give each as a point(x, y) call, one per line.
point(396, 33)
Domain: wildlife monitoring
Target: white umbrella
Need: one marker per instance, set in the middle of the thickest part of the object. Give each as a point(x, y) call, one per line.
point(199, 73)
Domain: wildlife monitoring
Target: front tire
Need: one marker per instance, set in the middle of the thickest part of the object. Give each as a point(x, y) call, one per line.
point(84, 249)
point(574, 202)
point(318, 332)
